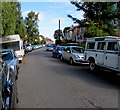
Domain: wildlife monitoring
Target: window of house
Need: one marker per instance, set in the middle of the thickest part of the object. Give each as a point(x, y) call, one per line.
point(101, 45)
point(91, 45)
point(112, 46)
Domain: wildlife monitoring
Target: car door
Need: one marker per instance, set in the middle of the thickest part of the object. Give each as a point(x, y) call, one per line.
point(64, 53)
point(68, 53)
point(100, 53)
point(111, 56)
point(15, 61)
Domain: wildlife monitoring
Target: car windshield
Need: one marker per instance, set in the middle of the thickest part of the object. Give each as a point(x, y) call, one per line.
point(6, 55)
point(50, 46)
point(60, 48)
point(27, 45)
point(77, 50)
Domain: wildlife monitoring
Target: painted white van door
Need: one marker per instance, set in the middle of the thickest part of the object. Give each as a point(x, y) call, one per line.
point(111, 60)
point(100, 58)
point(119, 62)
point(111, 55)
point(100, 53)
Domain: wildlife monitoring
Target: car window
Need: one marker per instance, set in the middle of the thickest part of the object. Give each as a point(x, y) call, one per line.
point(101, 45)
point(90, 45)
point(113, 46)
point(77, 50)
point(68, 49)
point(6, 55)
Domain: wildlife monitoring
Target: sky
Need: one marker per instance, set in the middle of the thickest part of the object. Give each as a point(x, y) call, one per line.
point(50, 13)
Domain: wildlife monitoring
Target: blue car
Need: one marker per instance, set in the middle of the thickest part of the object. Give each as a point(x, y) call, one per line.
point(9, 56)
point(57, 52)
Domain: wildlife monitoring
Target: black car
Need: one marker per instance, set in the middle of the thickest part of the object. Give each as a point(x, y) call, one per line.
point(8, 89)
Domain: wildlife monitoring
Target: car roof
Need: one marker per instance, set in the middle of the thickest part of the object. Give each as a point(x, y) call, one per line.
point(6, 50)
point(74, 46)
point(60, 46)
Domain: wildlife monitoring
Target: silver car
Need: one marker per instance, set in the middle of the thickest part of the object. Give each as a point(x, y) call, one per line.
point(10, 57)
point(73, 54)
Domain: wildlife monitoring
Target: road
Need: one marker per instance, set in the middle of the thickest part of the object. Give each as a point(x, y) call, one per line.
point(46, 82)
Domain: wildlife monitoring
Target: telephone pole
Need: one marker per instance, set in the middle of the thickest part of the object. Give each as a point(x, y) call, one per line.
point(59, 30)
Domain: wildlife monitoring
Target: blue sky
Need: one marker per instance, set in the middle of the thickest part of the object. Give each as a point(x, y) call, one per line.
point(49, 15)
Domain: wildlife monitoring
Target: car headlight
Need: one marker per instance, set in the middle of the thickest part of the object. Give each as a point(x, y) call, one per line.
point(76, 56)
point(59, 51)
point(12, 67)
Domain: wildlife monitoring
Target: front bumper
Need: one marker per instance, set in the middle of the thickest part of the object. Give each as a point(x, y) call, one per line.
point(79, 61)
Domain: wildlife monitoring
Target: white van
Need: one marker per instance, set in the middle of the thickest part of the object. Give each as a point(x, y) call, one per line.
point(13, 42)
point(104, 52)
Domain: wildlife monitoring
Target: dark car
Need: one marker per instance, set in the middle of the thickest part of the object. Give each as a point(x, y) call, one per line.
point(49, 47)
point(8, 89)
point(57, 52)
point(10, 57)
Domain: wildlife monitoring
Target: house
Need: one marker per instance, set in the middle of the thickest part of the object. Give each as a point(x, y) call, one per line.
point(74, 33)
point(42, 38)
point(49, 41)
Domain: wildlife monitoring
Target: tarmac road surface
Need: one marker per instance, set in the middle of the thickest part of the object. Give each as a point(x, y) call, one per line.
point(46, 82)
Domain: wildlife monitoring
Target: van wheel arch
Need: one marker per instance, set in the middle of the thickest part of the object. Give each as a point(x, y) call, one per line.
point(92, 65)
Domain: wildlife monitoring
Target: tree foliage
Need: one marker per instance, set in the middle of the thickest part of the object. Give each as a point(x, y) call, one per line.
point(99, 14)
point(31, 22)
point(12, 21)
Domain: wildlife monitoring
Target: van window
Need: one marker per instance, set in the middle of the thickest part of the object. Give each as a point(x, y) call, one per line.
point(91, 45)
point(112, 46)
point(12, 45)
point(101, 45)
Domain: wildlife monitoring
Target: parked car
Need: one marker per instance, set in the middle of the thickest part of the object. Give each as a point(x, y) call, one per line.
point(13, 42)
point(103, 52)
point(73, 54)
point(8, 89)
point(49, 47)
point(10, 57)
point(28, 48)
point(57, 51)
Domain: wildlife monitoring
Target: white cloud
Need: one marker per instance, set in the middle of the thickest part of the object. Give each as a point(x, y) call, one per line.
point(79, 14)
point(40, 16)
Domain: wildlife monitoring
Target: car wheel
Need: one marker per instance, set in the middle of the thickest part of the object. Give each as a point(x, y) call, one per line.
point(7, 94)
point(57, 56)
point(61, 57)
point(92, 66)
point(53, 55)
point(71, 61)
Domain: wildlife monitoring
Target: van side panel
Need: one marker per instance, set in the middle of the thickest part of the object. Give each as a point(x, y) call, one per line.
point(111, 60)
point(119, 62)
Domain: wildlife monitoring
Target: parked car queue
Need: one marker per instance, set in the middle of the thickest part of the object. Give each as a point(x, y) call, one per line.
point(9, 70)
point(72, 54)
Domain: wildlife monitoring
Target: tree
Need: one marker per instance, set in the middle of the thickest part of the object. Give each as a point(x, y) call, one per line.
point(8, 18)
point(31, 22)
point(100, 13)
point(20, 25)
point(12, 21)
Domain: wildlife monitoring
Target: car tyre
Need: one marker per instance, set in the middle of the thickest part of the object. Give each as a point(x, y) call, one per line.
point(61, 58)
point(71, 61)
point(92, 65)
